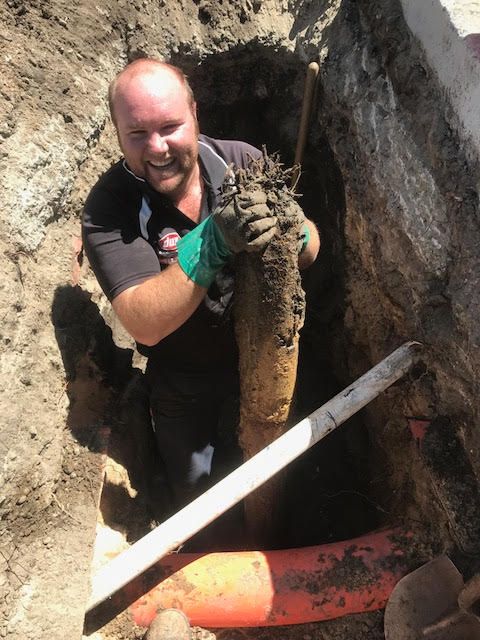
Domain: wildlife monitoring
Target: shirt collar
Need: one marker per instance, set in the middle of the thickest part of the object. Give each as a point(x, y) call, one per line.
point(213, 169)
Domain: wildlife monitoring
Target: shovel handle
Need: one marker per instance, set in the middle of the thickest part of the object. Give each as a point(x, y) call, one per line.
point(469, 596)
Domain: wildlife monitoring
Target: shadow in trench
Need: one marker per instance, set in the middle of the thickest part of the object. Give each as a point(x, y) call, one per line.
point(108, 410)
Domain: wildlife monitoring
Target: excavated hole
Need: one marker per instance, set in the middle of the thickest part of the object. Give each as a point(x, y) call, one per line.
point(255, 94)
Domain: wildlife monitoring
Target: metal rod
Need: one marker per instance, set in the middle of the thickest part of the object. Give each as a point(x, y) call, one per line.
point(250, 475)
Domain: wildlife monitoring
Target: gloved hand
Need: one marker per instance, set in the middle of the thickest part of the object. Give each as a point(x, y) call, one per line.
point(293, 212)
point(246, 222)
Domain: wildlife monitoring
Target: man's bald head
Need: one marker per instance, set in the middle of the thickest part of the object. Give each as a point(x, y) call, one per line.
point(155, 117)
point(147, 67)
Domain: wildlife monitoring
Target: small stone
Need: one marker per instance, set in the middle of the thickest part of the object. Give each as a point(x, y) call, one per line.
point(22, 499)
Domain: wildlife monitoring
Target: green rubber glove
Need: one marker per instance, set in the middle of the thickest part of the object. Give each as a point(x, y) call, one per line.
point(304, 239)
point(202, 252)
point(245, 223)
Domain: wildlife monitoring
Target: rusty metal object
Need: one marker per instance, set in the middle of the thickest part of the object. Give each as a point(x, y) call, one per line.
point(432, 603)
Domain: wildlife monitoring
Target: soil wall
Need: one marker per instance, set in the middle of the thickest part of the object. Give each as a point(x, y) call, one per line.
point(387, 177)
point(412, 234)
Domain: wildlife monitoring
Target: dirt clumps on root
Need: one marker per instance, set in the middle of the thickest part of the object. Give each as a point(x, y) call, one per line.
point(269, 313)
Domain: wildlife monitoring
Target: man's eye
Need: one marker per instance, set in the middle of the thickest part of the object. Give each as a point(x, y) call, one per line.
point(137, 133)
point(169, 128)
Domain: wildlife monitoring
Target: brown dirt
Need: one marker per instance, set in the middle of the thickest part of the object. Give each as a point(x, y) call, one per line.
point(269, 312)
point(385, 177)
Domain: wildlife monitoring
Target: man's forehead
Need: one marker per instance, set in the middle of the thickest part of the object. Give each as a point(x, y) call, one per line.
point(150, 80)
point(146, 90)
point(142, 106)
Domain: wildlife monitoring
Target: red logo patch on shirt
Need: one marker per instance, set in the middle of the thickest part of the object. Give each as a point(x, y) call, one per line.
point(169, 242)
point(167, 246)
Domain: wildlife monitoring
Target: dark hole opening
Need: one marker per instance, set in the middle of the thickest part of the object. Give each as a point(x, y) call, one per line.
point(255, 94)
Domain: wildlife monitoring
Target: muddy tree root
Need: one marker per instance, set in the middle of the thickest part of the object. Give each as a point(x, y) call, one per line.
point(270, 588)
point(269, 312)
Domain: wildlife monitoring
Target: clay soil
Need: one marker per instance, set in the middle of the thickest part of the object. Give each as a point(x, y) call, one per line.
point(269, 312)
point(74, 451)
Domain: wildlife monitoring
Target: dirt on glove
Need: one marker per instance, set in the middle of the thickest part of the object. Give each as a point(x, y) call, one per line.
point(269, 313)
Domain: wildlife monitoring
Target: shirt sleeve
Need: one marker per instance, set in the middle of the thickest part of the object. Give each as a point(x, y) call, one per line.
point(119, 256)
point(245, 153)
point(238, 152)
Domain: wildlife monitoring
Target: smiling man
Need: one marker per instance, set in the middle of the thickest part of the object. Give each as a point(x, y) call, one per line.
point(162, 249)
point(166, 156)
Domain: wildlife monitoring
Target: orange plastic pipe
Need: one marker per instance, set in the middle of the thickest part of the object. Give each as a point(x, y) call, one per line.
point(266, 588)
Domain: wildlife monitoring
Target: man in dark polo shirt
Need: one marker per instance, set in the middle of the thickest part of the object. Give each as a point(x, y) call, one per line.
point(162, 251)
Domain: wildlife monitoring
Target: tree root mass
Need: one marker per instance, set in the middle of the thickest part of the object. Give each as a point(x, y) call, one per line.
point(269, 313)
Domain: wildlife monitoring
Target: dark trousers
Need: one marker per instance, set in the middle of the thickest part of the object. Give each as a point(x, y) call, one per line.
point(195, 418)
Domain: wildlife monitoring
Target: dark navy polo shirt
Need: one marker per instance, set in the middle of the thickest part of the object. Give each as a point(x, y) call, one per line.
point(130, 233)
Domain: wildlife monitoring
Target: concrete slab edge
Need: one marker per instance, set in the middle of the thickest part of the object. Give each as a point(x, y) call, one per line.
point(449, 33)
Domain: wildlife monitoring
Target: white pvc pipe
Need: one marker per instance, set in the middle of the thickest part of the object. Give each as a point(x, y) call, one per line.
point(250, 475)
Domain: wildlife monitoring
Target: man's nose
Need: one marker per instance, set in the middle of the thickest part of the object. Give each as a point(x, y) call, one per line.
point(157, 143)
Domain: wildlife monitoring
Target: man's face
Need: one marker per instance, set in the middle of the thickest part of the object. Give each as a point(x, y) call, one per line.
point(157, 131)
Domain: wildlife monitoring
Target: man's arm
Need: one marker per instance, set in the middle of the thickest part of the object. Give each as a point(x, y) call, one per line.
point(309, 254)
point(152, 310)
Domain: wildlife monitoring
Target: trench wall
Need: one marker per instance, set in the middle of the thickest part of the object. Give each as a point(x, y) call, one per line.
point(409, 163)
point(403, 136)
